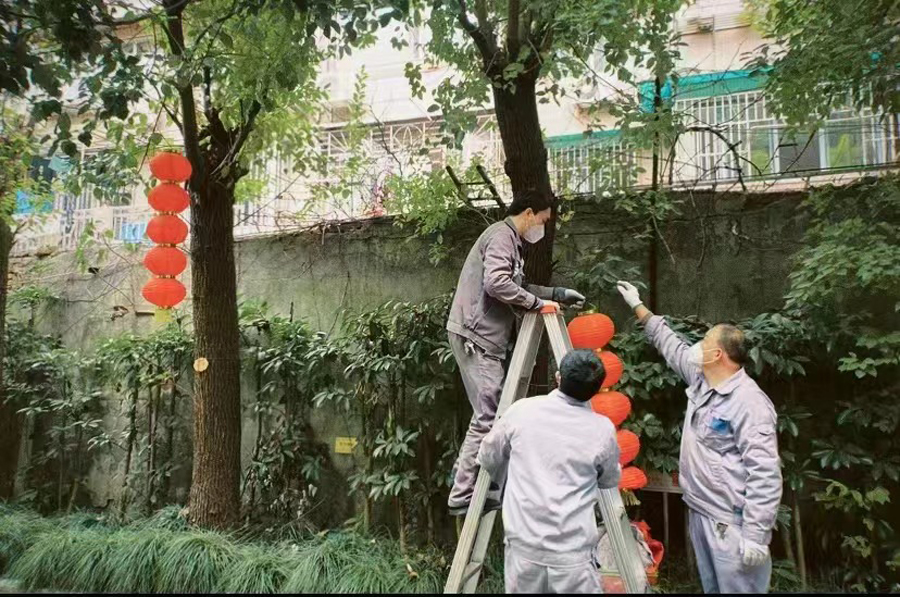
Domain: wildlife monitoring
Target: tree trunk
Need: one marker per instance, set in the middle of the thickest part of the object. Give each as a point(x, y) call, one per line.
point(129, 451)
point(798, 534)
point(429, 488)
point(526, 167)
point(653, 257)
point(401, 523)
point(216, 479)
point(10, 420)
point(152, 424)
point(170, 432)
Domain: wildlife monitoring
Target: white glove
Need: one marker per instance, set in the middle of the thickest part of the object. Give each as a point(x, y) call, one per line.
point(629, 293)
point(753, 554)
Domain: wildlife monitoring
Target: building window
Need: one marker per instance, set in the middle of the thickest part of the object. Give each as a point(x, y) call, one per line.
point(763, 145)
point(589, 164)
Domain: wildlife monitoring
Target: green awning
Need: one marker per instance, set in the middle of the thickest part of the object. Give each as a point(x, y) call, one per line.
point(579, 139)
point(703, 85)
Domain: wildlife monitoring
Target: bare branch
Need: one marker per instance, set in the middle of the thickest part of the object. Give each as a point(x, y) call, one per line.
point(246, 127)
point(384, 144)
point(732, 147)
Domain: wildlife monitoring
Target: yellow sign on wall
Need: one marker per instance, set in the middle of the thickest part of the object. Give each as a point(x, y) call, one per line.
point(344, 445)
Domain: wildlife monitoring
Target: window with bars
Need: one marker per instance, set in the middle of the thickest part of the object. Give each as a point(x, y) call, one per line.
point(589, 165)
point(734, 133)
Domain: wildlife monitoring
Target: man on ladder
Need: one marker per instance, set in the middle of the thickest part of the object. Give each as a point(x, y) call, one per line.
point(482, 318)
point(558, 453)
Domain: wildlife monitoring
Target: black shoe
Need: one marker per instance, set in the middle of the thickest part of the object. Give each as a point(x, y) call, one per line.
point(489, 506)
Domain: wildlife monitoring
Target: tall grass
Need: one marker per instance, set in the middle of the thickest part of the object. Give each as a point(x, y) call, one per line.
point(194, 562)
point(257, 570)
point(18, 532)
point(160, 555)
point(48, 562)
point(136, 559)
point(349, 563)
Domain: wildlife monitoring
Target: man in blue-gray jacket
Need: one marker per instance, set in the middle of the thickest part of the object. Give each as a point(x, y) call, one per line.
point(729, 468)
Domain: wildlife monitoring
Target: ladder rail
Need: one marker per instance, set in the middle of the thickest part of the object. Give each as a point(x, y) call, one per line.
point(615, 517)
point(474, 539)
point(475, 526)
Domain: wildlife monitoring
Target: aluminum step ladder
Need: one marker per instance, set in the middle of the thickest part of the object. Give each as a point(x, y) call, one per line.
point(476, 532)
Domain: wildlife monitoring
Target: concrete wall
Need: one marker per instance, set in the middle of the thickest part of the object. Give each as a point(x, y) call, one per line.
point(729, 259)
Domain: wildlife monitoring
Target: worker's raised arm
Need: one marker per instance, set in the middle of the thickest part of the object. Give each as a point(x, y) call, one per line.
point(758, 444)
point(608, 469)
point(499, 260)
point(673, 349)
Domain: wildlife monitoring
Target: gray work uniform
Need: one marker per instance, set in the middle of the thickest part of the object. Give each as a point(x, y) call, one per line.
point(481, 325)
point(729, 468)
point(556, 454)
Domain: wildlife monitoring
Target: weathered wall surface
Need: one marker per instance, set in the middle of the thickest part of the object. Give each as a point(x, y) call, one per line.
point(725, 257)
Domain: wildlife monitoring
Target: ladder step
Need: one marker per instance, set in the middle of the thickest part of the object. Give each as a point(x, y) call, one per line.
point(472, 569)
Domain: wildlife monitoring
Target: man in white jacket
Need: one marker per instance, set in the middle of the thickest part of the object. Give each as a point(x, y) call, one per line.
point(557, 453)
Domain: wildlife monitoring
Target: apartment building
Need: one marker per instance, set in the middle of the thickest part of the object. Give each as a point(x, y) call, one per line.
point(733, 142)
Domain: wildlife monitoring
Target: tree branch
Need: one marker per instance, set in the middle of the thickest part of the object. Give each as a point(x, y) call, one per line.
point(513, 41)
point(189, 129)
point(246, 128)
point(480, 33)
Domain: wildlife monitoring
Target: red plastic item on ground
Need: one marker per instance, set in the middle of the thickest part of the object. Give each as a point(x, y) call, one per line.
point(612, 583)
point(657, 551)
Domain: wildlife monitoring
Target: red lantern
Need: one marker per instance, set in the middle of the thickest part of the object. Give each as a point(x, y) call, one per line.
point(167, 230)
point(629, 446)
point(632, 478)
point(591, 331)
point(168, 197)
point(613, 405)
point(170, 166)
point(613, 366)
point(164, 292)
point(165, 261)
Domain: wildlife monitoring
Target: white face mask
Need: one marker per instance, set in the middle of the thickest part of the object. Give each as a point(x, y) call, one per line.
point(696, 354)
point(534, 234)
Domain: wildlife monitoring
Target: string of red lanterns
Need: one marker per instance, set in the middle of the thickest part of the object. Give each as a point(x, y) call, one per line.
point(593, 332)
point(166, 261)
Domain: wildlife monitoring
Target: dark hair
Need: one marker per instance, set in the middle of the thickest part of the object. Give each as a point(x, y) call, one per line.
point(581, 374)
point(532, 198)
point(731, 340)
